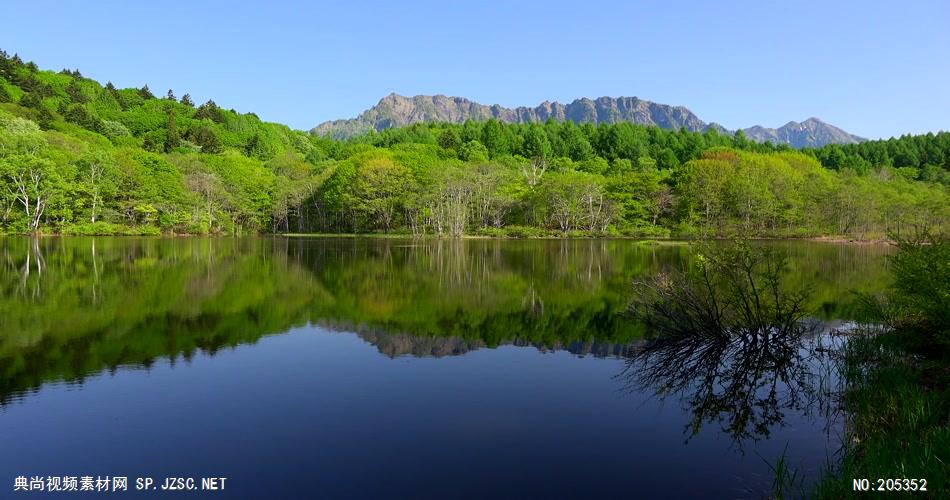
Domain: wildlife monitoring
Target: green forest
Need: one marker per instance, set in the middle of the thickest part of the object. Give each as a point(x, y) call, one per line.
point(77, 157)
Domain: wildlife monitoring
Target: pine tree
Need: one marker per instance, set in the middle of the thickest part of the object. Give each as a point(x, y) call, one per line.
point(146, 93)
point(209, 110)
point(171, 95)
point(31, 100)
point(75, 93)
point(253, 146)
point(172, 139)
point(208, 140)
point(450, 139)
point(494, 138)
point(186, 100)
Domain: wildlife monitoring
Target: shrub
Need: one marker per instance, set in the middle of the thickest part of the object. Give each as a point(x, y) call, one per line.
point(113, 129)
point(921, 284)
point(141, 231)
point(736, 290)
point(494, 232)
point(93, 229)
point(524, 232)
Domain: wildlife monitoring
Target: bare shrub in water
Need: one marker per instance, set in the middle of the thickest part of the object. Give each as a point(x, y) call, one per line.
point(736, 290)
point(730, 338)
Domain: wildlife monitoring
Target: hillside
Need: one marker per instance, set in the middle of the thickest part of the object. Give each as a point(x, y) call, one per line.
point(395, 110)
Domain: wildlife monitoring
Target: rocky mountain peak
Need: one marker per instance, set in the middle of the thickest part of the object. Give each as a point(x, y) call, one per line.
point(395, 110)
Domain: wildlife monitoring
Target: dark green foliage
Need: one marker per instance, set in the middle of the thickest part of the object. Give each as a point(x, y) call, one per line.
point(207, 140)
point(172, 139)
point(75, 93)
point(260, 147)
point(209, 111)
point(495, 138)
point(31, 100)
point(81, 116)
point(450, 139)
point(921, 271)
point(186, 100)
point(154, 141)
point(927, 151)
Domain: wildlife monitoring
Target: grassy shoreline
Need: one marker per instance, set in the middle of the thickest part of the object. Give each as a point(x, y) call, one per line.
point(833, 240)
point(670, 240)
point(896, 378)
point(898, 404)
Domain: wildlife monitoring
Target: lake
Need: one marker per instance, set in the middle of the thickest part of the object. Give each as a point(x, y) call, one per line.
point(398, 368)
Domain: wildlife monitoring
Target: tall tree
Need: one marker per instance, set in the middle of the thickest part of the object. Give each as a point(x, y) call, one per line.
point(537, 148)
point(207, 140)
point(494, 138)
point(172, 138)
point(98, 177)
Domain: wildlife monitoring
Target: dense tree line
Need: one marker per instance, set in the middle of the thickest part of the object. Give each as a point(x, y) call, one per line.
point(924, 157)
point(79, 157)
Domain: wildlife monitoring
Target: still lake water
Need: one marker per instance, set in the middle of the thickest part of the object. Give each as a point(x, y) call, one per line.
point(360, 367)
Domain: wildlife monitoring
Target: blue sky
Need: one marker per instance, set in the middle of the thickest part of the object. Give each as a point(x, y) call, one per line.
point(876, 69)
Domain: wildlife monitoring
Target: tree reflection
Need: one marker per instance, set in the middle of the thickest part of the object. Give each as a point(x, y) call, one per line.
point(745, 383)
point(71, 307)
point(733, 342)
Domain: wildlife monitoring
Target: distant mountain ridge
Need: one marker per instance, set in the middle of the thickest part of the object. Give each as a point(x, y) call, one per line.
point(395, 110)
point(809, 133)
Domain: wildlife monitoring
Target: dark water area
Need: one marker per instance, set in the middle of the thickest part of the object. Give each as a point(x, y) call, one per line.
point(342, 368)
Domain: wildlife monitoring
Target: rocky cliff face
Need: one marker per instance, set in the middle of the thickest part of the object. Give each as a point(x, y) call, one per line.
point(396, 111)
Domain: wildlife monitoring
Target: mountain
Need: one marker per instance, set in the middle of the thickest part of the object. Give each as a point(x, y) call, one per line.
point(809, 133)
point(395, 110)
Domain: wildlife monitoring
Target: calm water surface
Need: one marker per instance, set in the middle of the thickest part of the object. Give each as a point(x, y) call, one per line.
point(353, 368)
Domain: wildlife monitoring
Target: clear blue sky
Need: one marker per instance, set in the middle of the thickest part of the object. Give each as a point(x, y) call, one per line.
point(876, 69)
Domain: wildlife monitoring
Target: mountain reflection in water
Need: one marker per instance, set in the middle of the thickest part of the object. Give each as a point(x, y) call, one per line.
point(366, 367)
point(72, 307)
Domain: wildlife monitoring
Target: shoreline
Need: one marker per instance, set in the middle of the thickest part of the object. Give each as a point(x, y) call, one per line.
point(835, 240)
point(838, 240)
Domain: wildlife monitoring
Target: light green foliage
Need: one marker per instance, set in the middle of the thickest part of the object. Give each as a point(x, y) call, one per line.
point(473, 151)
